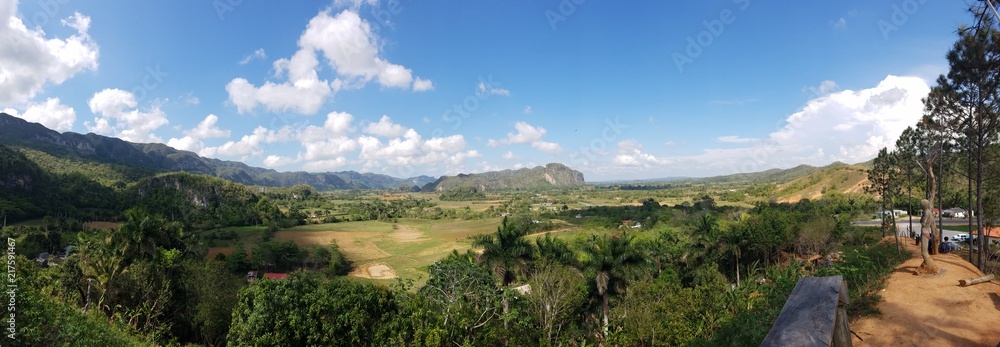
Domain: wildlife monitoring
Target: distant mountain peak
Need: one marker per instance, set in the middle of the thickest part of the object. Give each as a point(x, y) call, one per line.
point(548, 176)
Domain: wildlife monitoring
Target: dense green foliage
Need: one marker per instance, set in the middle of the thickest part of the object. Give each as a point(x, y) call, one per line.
point(462, 194)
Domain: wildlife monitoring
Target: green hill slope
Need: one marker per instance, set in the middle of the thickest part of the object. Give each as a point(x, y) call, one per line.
point(541, 177)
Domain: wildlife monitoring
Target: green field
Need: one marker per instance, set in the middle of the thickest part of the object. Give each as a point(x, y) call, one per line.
point(407, 247)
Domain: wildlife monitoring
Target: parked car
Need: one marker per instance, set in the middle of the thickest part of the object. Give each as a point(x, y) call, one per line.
point(960, 237)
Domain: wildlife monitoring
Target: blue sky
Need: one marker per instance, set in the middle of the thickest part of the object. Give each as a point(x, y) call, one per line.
point(616, 90)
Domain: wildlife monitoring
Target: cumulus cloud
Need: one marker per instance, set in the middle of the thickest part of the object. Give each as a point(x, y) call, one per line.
point(52, 114)
point(384, 145)
point(527, 134)
point(273, 161)
point(485, 89)
point(118, 115)
point(351, 48)
point(29, 61)
point(547, 147)
point(848, 126)
point(630, 153)
point(509, 155)
point(422, 85)
point(250, 144)
point(385, 128)
point(205, 129)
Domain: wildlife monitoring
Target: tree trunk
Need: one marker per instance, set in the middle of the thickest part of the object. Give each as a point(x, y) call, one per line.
point(927, 229)
point(909, 203)
point(737, 268)
point(968, 214)
point(928, 267)
point(979, 196)
point(604, 320)
point(929, 210)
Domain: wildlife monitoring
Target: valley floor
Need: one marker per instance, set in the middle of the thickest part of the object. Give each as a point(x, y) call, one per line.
point(933, 311)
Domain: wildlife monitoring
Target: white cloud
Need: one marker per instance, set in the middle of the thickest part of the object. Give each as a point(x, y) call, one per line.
point(527, 109)
point(450, 144)
point(258, 54)
point(490, 90)
point(118, 115)
point(385, 128)
point(190, 99)
point(630, 153)
point(736, 139)
point(509, 155)
point(29, 61)
point(354, 4)
point(547, 147)
point(205, 129)
point(52, 114)
point(527, 134)
point(848, 126)
point(422, 85)
point(249, 145)
point(325, 165)
point(353, 51)
point(273, 161)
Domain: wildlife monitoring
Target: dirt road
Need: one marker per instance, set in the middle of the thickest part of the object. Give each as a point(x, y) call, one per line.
point(933, 310)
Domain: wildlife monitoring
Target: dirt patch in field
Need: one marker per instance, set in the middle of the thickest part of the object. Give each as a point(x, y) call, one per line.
point(935, 310)
point(406, 233)
point(100, 225)
point(355, 245)
point(213, 251)
point(379, 271)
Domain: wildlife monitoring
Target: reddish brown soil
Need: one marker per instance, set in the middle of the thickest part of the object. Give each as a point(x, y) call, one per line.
point(933, 310)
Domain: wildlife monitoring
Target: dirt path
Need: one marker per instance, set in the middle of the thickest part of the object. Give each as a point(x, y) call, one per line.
point(934, 311)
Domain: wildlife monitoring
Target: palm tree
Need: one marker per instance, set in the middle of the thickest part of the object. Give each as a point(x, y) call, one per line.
point(614, 261)
point(505, 254)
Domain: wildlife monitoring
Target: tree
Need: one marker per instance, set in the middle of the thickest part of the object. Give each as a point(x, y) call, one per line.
point(505, 253)
point(211, 295)
point(923, 145)
point(465, 296)
point(882, 176)
point(302, 310)
point(613, 261)
point(967, 100)
point(557, 292)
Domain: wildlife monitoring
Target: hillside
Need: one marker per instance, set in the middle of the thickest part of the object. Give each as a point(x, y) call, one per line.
point(146, 158)
point(549, 176)
point(772, 175)
point(843, 179)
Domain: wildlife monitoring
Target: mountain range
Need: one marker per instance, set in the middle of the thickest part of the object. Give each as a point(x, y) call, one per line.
point(154, 158)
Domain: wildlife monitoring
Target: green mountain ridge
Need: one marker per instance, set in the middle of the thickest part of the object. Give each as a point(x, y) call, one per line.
point(549, 176)
point(156, 158)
